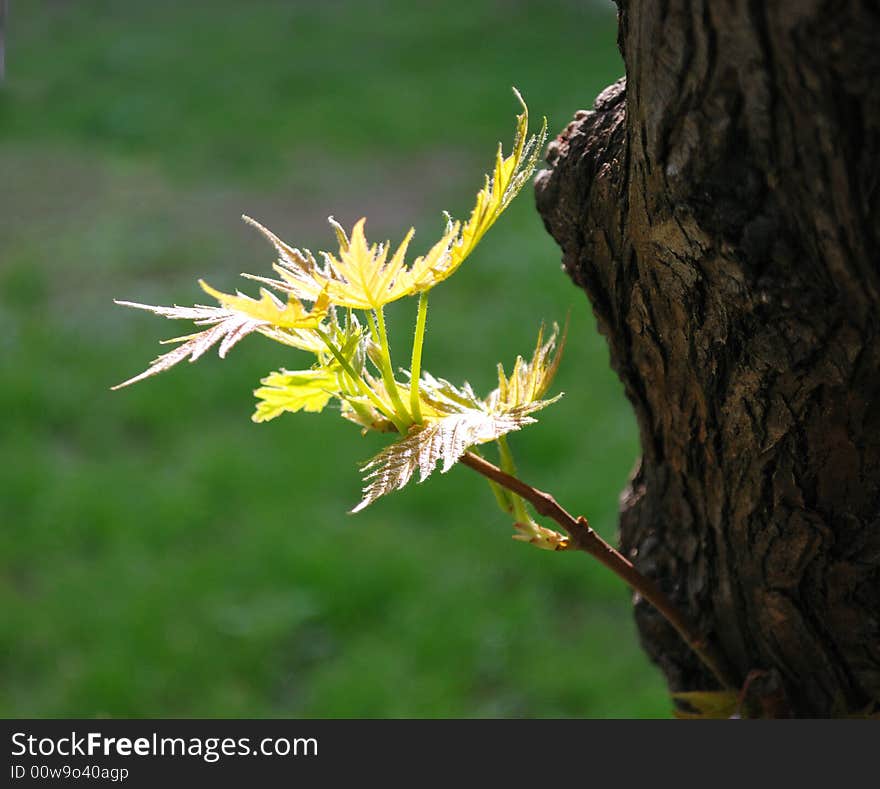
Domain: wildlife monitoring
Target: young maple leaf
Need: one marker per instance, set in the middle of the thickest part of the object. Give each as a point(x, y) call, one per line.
point(444, 421)
point(362, 276)
point(530, 380)
point(235, 319)
point(227, 326)
point(499, 189)
point(456, 420)
point(270, 310)
point(310, 390)
point(446, 439)
point(301, 390)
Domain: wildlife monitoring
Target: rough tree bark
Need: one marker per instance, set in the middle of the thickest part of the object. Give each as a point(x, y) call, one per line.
point(721, 208)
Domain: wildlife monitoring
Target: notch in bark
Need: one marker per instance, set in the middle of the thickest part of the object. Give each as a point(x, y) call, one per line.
point(720, 207)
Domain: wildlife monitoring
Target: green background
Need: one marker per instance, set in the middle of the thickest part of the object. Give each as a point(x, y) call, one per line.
point(161, 554)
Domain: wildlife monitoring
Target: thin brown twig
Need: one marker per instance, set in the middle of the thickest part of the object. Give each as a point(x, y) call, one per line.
point(585, 539)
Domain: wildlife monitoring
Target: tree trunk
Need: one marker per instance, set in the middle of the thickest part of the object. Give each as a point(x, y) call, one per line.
point(721, 208)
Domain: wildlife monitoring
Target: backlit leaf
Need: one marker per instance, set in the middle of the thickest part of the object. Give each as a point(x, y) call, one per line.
point(238, 316)
point(445, 440)
point(510, 174)
point(440, 397)
point(226, 327)
point(530, 380)
point(360, 275)
point(303, 390)
point(365, 276)
point(270, 309)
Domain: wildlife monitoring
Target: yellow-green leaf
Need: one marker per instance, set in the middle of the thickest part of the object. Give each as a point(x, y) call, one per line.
point(529, 381)
point(509, 175)
point(361, 275)
point(521, 393)
point(270, 309)
point(366, 276)
point(303, 390)
point(238, 316)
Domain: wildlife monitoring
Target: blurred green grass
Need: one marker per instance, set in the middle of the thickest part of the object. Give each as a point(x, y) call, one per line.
point(161, 554)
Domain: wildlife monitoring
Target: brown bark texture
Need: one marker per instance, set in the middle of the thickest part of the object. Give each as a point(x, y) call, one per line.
point(721, 208)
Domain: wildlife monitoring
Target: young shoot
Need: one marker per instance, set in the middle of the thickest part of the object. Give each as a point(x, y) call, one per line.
point(332, 308)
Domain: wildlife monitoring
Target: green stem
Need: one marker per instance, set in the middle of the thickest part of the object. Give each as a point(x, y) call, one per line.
point(359, 408)
point(503, 497)
point(509, 466)
point(416, 366)
point(367, 418)
point(359, 381)
point(386, 369)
